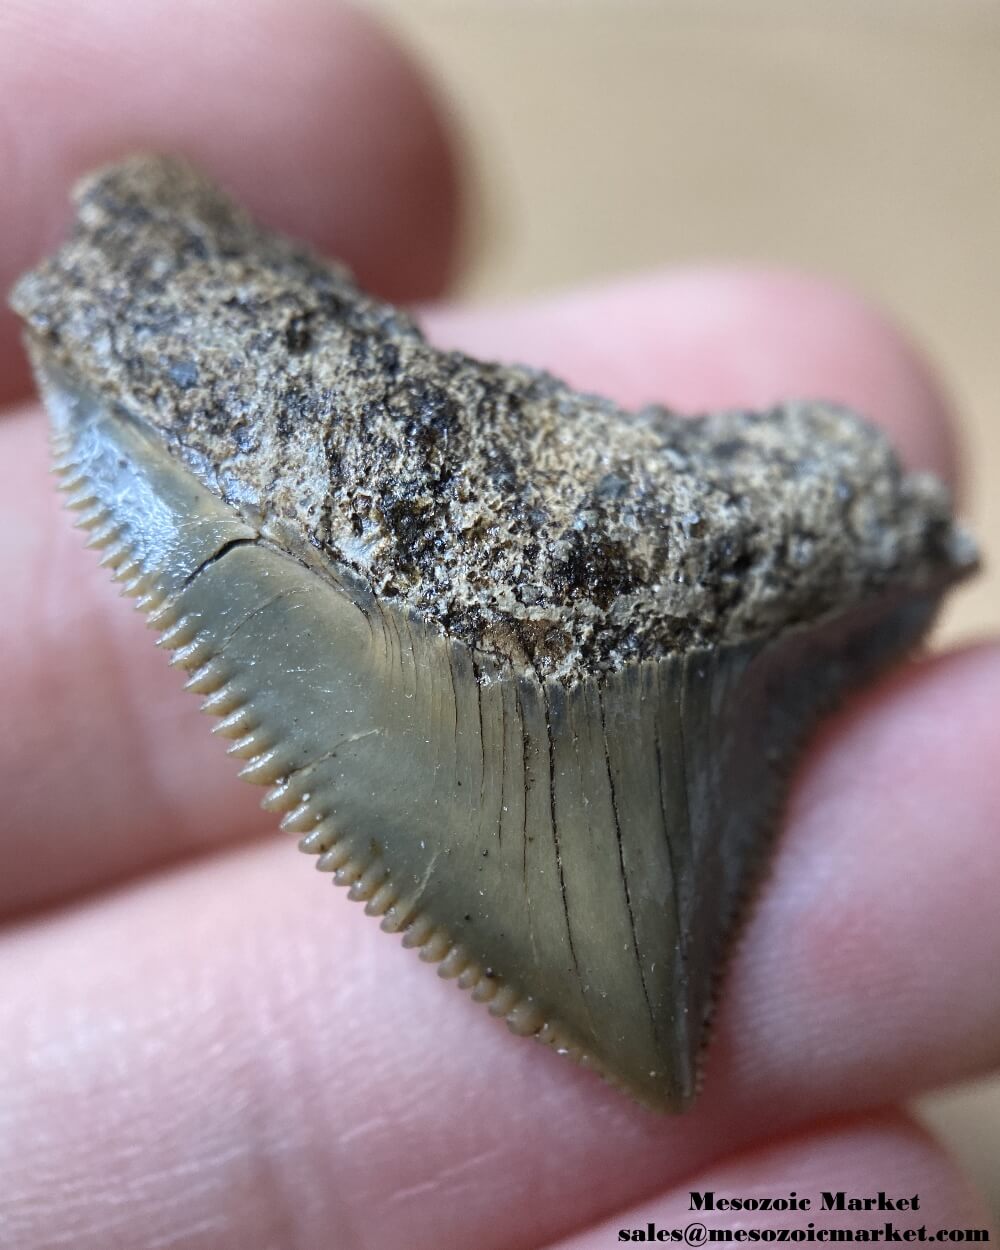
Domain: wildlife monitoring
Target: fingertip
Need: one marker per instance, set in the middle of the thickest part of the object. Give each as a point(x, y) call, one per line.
point(887, 879)
point(383, 191)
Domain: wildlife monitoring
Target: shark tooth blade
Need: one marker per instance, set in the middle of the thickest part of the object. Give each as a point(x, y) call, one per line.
point(579, 854)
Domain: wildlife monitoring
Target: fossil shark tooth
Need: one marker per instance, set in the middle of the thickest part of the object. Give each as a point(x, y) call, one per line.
point(527, 672)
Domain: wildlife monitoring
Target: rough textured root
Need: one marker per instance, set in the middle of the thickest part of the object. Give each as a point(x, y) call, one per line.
point(366, 878)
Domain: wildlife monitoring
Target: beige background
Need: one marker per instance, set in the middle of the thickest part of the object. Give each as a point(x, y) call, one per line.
point(860, 138)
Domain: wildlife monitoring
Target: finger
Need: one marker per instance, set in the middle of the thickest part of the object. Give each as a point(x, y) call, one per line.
point(876, 925)
point(236, 1027)
point(717, 338)
point(306, 110)
point(131, 778)
point(881, 1153)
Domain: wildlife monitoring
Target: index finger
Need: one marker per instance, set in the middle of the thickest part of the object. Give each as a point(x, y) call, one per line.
point(305, 110)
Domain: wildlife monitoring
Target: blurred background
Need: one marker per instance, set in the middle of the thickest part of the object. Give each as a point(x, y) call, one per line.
point(855, 138)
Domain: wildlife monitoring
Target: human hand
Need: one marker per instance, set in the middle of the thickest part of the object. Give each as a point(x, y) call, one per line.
point(199, 1045)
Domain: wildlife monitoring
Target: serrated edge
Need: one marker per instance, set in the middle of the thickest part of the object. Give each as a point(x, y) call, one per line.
point(366, 879)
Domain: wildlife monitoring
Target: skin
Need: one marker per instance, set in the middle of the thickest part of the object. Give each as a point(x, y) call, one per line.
point(199, 1046)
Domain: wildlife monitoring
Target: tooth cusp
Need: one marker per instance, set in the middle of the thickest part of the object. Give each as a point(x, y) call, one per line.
point(381, 900)
point(209, 678)
point(453, 964)
point(304, 819)
point(237, 724)
point(367, 884)
point(226, 699)
point(334, 859)
point(265, 769)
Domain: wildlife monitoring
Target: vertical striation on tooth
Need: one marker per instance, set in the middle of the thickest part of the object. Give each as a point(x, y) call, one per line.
point(528, 673)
